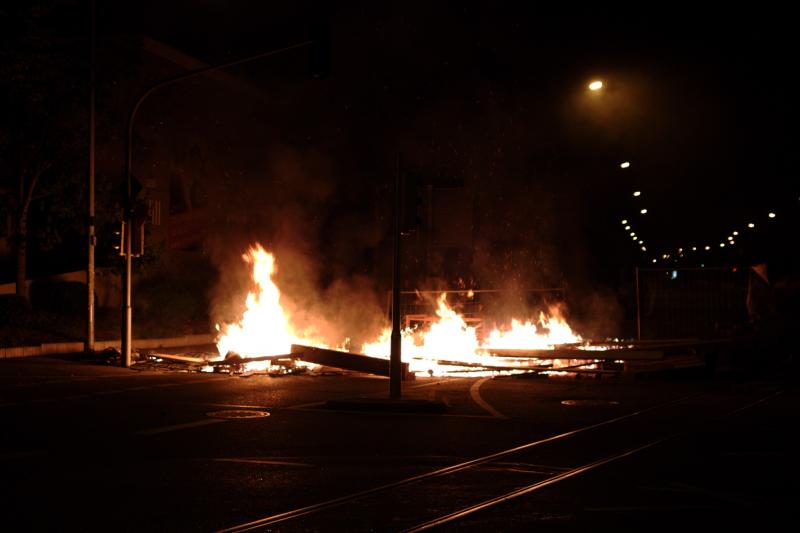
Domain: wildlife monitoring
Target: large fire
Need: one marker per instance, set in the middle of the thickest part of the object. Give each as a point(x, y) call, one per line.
point(447, 345)
point(265, 328)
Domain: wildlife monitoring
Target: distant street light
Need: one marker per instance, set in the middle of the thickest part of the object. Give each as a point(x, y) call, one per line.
point(625, 221)
point(624, 164)
point(751, 225)
point(643, 211)
point(771, 215)
point(596, 85)
point(637, 193)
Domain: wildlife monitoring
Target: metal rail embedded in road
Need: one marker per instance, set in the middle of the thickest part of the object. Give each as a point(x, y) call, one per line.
point(311, 509)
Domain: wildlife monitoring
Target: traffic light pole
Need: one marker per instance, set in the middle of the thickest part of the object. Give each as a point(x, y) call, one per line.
point(395, 359)
point(88, 346)
point(127, 215)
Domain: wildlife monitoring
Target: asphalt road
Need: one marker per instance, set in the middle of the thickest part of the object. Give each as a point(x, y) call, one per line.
point(89, 447)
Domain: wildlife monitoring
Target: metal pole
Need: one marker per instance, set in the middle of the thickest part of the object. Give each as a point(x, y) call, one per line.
point(638, 309)
point(127, 322)
point(396, 357)
point(89, 344)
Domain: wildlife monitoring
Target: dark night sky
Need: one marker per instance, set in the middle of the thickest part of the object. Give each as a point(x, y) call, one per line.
point(697, 100)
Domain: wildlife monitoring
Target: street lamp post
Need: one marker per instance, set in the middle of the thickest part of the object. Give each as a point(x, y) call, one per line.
point(127, 309)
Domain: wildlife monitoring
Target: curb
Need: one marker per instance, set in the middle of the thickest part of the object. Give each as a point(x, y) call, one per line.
point(53, 348)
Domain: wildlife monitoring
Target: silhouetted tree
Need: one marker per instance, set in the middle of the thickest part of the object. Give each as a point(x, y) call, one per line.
point(43, 66)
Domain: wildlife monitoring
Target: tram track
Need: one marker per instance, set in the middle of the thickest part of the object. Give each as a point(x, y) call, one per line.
point(472, 464)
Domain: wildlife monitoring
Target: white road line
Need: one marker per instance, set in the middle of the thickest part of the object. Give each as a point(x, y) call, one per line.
point(258, 461)
point(474, 392)
point(178, 427)
point(109, 392)
point(304, 406)
point(386, 413)
point(645, 508)
point(237, 406)
point(22, 454)
point(426, 384)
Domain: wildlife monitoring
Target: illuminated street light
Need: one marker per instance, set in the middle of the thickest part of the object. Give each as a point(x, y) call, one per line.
point(733, 242)
point(643, 211)
point(694, 248)
point(730, 238)
point(771, 215)
point(641, 242)
point(624, 221)
point(637, 193)
point(596, 85)
point(708, 247)
point(627, 228)
point(722, 245)
point(644, 248)
point(654, 260)
point(736, 233)
point(633, 234)
point(751, 225)
point(625, 164)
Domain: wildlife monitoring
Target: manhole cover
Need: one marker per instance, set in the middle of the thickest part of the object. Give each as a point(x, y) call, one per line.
point(589, 402)
point(238, 414)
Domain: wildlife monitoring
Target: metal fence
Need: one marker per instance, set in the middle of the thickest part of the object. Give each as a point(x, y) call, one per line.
point(418, 307)
point(690, 302)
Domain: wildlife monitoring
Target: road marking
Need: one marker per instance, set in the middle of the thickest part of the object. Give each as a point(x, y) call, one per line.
point(22, 454)
point(258, 461)
point(474, 392)
point(646, 508)
point(685, 488)
point(304, 406)
point(237, 406)
point(112, 391)
point(753, 404)
point(178, 427)
point(427, 384)
point(385, 413)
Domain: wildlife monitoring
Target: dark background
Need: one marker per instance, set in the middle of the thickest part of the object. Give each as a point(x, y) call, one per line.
point(489, 96)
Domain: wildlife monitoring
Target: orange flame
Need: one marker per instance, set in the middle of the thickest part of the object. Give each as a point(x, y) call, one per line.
point(448, 345)
point(265, 327)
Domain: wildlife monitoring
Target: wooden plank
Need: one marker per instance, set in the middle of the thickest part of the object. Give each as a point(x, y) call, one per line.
point(345, 360)
point(178, 358)
point(571, 353)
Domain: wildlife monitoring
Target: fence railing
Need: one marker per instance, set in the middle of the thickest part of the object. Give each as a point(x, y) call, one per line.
point(690, 302)
point(420, 306)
